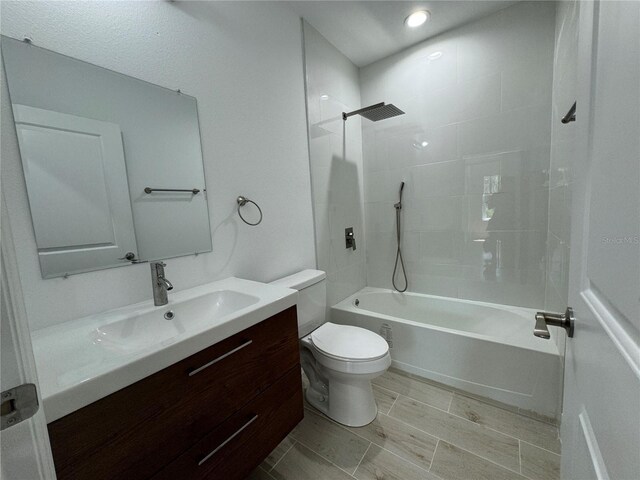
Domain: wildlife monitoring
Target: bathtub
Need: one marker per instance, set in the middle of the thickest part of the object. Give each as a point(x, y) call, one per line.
point(482, 348)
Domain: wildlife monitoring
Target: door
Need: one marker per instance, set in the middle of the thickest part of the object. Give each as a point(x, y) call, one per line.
point(601, 420)
point(76, 180)
point(24, 447)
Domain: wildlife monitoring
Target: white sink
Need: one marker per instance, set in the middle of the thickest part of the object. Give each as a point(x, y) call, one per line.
point(163, 325)
point(86, 359)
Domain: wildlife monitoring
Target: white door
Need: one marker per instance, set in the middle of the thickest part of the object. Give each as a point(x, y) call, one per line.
point(24, 447)
point(76, 180)
point(601, 419)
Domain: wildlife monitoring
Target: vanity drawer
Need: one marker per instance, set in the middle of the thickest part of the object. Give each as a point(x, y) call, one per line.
point(127, 434)
point(238, 445)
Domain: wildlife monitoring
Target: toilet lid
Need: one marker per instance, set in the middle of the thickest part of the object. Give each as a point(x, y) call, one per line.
point(350, 343)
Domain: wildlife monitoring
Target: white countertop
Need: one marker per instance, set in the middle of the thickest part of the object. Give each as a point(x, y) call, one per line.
point(76, 368)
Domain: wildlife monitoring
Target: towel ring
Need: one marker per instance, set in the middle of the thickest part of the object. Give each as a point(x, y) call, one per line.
point(242, 201)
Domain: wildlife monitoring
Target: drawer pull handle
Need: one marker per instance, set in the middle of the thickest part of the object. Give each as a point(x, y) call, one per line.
point(221, 357)
point(217, 449)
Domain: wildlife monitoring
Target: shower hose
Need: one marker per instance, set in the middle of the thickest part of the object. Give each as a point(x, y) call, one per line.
point(399, 259)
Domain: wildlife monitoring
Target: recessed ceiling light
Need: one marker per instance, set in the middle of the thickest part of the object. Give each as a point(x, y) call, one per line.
point(417, 18)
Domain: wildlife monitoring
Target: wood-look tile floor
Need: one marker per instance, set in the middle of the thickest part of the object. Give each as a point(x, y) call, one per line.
point(422, 431)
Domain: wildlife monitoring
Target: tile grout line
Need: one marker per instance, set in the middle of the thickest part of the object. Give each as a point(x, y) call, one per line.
point(470, 421)
point(505, 408)
point(386, 449)
point(541, 448)
point(267, 473)
point(477, 398)
point(458, 446)
point(398, 394)
point(365, 454)
point(394, 402)
point(404, 459)
point(283, 455)
point(347, 429)
point(324, 458)
point(438, 438)
point(434, 455)
point(501, 432)
point(520, 455)
point(493, 462)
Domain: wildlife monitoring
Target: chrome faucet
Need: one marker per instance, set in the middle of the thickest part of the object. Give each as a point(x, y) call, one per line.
point(160, 284)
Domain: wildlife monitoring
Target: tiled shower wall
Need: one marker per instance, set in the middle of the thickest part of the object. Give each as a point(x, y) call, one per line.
point(335, 155)
point(473, 149)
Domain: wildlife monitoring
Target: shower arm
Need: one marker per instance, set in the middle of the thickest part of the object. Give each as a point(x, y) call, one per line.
point(362, 110)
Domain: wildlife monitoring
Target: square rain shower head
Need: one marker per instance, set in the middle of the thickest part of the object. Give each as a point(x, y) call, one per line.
point(377, 112)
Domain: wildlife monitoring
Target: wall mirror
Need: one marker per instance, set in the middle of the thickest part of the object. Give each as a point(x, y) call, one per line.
point(113, 164)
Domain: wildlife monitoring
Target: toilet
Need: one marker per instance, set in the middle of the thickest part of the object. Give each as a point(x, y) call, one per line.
point(339, 360)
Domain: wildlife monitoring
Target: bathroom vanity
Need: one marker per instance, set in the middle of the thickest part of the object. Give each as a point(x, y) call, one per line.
point(215, 413)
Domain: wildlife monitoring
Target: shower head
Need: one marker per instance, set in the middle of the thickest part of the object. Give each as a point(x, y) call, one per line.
point(379, 111)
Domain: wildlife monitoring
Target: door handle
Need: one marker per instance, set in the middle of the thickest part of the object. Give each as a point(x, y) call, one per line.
point(565, 320)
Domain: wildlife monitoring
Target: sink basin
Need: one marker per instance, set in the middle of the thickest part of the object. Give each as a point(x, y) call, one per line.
point(86, 359)
point(163, 325)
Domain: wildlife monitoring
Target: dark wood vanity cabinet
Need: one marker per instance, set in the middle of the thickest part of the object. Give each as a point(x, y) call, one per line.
point(214, 415)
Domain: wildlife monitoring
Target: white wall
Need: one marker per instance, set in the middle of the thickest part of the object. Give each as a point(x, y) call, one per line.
point(480, 96)
point(335, 150)
point(243, 62)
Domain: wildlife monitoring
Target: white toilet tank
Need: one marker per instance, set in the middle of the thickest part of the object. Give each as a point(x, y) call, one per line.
point(312, 298)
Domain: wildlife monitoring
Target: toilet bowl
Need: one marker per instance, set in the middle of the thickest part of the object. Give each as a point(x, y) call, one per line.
point(339, 360)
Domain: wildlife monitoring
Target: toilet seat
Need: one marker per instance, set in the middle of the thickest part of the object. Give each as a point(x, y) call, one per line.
point(370, 350)
point(348, 343)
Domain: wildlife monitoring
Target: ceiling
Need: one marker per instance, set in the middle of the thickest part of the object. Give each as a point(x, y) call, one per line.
point(366, 31)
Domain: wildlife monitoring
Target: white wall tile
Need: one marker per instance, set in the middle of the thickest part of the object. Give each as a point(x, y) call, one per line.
point(528, 85)
point(437, 179)
point(485, 110)
point(479, 96)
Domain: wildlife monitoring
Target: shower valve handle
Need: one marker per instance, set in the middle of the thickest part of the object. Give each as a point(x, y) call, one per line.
point(349, 239)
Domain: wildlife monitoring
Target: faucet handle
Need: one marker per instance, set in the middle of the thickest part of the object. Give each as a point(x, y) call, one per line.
point(541, 330)
point(565, 320)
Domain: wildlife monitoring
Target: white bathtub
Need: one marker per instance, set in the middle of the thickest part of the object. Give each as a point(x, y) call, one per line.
point(482, 348)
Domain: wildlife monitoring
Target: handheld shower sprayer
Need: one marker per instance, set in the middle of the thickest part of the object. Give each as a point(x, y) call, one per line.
point(398, 207)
